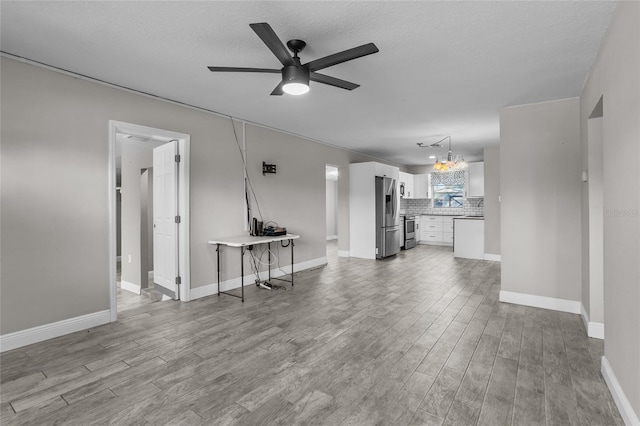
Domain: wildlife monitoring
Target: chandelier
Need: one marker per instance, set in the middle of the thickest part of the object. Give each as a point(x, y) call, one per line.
point(449, 162)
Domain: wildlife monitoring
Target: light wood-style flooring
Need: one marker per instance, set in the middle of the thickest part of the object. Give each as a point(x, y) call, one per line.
point(417, 339)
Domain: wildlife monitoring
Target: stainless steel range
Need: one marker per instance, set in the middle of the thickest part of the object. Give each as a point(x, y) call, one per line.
point(409, 234)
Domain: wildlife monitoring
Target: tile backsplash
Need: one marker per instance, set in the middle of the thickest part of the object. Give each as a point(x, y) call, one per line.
point(472, 206)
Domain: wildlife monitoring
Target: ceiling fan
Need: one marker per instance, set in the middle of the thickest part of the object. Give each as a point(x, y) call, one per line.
point(296, 76)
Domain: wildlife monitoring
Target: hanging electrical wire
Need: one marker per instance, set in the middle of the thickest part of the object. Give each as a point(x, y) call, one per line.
point(247, 179)
point(278, 256)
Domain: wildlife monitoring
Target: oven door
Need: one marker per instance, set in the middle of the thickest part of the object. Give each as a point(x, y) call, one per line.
point(409, 229)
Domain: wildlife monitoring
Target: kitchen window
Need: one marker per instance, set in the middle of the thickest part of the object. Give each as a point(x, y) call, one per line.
point(448, 196)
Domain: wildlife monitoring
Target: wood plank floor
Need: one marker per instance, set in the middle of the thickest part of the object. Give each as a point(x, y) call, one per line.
point(418, 339)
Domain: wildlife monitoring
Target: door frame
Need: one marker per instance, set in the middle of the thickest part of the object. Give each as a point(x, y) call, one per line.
point(116, 127)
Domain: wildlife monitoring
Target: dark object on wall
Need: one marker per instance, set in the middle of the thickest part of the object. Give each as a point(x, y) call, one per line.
point(268, 168)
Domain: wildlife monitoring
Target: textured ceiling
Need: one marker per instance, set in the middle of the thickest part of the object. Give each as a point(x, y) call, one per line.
point(444, 68)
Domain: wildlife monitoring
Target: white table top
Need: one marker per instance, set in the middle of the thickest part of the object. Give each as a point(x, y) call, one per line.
point(248, 240)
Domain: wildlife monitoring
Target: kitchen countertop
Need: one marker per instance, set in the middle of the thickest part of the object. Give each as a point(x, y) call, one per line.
point(437, 214)
point(455, 216)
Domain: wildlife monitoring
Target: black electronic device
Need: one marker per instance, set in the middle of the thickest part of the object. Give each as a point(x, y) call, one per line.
point(268, 168)
point(256, 228)
point(271, 231)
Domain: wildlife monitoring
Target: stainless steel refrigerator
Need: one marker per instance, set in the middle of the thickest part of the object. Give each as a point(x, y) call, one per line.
point(387, 218)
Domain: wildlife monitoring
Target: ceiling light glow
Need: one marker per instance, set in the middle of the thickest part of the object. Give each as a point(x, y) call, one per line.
point(295, 88)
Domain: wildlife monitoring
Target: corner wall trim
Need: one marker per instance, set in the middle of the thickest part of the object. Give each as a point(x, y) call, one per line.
point(494, 257)
point(211, 289)
point(594, 329)
point(126, 285)
point(41, 333)
point(563, 305)
point(626, 410)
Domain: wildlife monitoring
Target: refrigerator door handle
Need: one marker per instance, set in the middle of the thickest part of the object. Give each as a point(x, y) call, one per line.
point(394, 203)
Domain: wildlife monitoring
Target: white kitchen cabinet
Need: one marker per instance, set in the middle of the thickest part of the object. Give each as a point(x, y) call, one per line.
point(385, 170)
point(437, 230)
point(447, 229)
point(469, 238)
point(407, 180)
point(476, 180)
point(422, 185)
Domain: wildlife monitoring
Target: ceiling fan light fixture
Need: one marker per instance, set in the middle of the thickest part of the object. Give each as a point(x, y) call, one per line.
point(294, 88)
point(295, 80)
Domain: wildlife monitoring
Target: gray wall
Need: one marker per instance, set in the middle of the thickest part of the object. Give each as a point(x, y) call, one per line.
point(332, 205)
point(593, 224)
point(491, 203)
point(540, 185)
point(54, 188)
point(146, 226)
point(132, 200)
point(615, 76)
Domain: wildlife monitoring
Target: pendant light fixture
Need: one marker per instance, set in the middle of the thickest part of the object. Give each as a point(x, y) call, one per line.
point(449, 162)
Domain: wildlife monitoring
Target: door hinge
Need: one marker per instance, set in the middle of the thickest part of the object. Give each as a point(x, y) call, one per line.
point(177, 158)
point(178, 280)
point(177, 219)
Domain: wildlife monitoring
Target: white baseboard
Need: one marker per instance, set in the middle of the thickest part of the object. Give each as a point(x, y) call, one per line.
point(211, 289)
point(563, 305)
point(494, 257)
point(332, 237)
point(41, 333)
point(344, 253)
point(626, 410)
point(594, 329)
point(150, 275)
point(126, 285)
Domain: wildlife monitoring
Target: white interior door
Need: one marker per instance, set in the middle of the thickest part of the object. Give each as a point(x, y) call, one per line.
point(165, 219)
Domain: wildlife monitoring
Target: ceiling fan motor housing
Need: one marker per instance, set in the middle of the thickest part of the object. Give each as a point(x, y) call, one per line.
point(295, 74)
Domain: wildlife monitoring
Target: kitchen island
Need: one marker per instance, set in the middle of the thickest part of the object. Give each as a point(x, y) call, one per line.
point(468, 237)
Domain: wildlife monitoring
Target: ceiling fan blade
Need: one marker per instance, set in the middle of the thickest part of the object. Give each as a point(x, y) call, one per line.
point(269, 37)
point(344, 56)
point(332, 81)
point(278, 90)
point(239, 69)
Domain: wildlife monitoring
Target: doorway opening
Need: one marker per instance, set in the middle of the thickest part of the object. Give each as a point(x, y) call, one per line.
point(593, 225)
point(332, 211)
point(148, 215)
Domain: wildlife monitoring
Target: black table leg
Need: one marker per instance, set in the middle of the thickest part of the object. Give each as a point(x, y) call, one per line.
point(291, 242)
point(269, 259)
point(242, 271)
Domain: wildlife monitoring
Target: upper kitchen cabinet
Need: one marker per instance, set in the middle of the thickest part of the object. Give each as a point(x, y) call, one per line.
point(422, 186)
point(385, 170)
point(476, 180)
point(406, 182)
